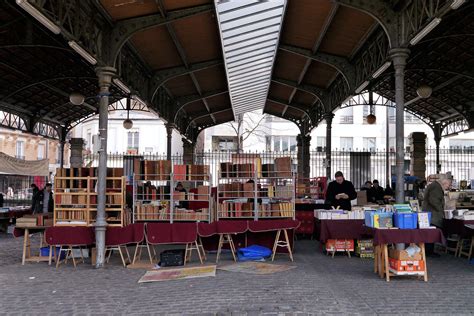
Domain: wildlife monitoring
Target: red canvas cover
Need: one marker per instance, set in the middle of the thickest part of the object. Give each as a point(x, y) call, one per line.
point(70, 236)
point(207, 229)
point(116, 236)
point(158, 233)
point(232, 227)
point(269, 225)
point(183, 233)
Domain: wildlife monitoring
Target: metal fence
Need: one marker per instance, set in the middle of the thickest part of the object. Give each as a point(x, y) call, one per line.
point(358, 166)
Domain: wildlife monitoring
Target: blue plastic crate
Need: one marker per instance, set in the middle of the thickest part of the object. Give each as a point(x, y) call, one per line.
point(44, 251)
point(406, 220)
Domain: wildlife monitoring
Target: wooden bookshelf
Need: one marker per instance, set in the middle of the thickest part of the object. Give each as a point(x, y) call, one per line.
point(75, 200)
point(256, 190)
point(155, 199)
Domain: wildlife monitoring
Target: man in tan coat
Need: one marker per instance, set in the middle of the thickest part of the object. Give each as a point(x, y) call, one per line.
point(433, 201)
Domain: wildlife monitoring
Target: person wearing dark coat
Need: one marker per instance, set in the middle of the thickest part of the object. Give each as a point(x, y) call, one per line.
point(45, 198)
point(35, 200)
point(340, 192)
point(376, 192)
point(433, 201)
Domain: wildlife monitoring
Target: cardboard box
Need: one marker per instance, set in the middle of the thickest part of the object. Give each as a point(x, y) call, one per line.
point(406, 265)
point(340, 245)
point(402, 255)
point(361, 197)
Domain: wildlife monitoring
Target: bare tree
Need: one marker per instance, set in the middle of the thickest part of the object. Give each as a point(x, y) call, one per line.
point(246, 125)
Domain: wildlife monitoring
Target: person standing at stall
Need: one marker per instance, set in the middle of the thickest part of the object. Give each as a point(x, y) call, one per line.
point(45, 197)
point(376, 193)
point(340, 192)
point(433, 202)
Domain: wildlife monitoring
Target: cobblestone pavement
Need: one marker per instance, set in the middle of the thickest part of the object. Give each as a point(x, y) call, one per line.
point(319, 285)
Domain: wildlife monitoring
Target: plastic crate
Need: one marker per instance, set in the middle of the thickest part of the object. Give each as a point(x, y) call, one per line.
point(379, 219)
point(405, 220)
point(44, 252)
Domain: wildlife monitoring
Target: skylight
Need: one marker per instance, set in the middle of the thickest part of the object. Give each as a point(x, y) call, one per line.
point(250, 30)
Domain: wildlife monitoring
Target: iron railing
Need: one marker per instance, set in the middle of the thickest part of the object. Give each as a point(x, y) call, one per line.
point(357, 165)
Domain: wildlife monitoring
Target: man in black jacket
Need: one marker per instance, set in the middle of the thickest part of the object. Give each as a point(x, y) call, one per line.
point(340, 192)
point(376, 193)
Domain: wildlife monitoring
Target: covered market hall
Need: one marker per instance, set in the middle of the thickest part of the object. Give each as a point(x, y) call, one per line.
point(307, 229)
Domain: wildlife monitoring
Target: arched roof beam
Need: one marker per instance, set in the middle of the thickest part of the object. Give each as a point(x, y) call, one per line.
point(184, 101)
point(292, 106)
point(161, 77)
point(403, 20)
point(318, 93)
point(341, 64)
point(124, 30)
point(191, 122)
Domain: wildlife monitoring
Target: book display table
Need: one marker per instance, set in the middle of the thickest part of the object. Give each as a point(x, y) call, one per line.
point(384, 237)
point(25, 232)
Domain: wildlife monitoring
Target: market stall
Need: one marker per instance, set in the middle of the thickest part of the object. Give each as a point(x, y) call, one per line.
point(398, 262)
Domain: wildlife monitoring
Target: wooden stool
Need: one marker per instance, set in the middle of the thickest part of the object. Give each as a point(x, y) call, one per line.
point(68, 250)
point(201, 248)
point(282, 243)
point(463, 247)
point(110, 249)
point(225, 239)
point(453, 239)
point(189, 250)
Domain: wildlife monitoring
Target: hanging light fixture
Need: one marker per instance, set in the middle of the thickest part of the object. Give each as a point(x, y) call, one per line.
point(424, 91)
point(128, 123)
point(371, 118)
point(76, 98)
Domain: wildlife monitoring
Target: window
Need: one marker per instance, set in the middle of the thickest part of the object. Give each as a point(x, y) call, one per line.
point(224, 143)
point(20, 149)
point(148, 149)
point(89, 139)
point(411, 119)
point(320, 143)
point(58, 154)
point(391, 115)
point(40, 151)
point(281, 143)
point(347, 116)
point(461, 145)
point(133, 140)
point(369, 143)
point(346, 143)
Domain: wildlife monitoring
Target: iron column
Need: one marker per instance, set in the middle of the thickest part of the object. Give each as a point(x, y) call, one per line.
point(328, 117)
point(437, 139)
point(169, 133)
point(399, 57)
point(387, 146)
point(105, 75)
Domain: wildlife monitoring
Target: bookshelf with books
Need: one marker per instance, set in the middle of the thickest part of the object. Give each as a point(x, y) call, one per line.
point(255, 190)
point(156, 198)
point(75, 198)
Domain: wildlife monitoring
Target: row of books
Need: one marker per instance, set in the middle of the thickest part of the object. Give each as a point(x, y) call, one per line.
point(241, 209)
point(151, 192)
point(280, 168)
point(85, 172)
point(191, 215)
point(79, 200)
point(155, 170)
point(191, 172)
point(151, 211)
point(238, 189)
point(71, 215)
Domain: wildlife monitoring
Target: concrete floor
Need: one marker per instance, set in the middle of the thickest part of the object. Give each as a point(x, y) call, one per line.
point(318, 285)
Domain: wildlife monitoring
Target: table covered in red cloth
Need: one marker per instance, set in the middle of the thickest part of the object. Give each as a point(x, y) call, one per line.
point(456, 226)
point(395, 236)
point(246, 232)
point(339, 229)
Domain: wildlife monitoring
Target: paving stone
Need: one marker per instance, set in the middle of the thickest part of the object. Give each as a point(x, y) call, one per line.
point(318, 285)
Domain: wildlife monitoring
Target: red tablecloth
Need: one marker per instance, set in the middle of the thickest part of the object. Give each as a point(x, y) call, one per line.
point(456, 226)
point(395, 236)
point(339, 229)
